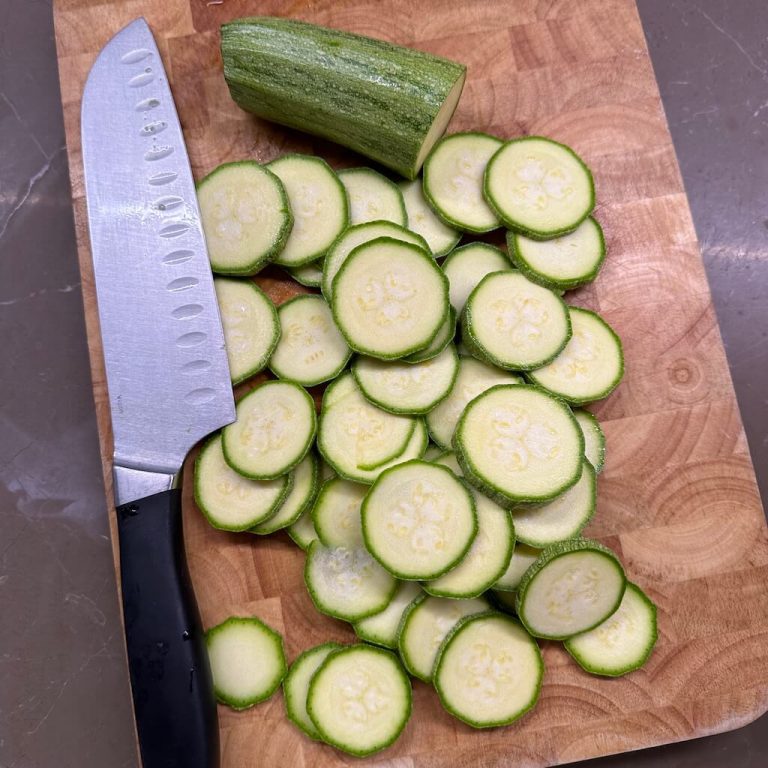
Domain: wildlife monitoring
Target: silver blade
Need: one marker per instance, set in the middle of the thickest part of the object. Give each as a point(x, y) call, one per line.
point(164, 351)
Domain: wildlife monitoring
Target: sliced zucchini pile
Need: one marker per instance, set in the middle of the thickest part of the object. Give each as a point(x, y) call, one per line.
point(426, 548)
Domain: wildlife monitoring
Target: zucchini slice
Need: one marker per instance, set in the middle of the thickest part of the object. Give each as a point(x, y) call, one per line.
point(433, 452)
point(590, 366)
point(487, 559)
point(453, 180)
point(489, 671)
point(594, 439)
point(387, 102)
point(539, 187)
point(298, 500)
point(523, 558)
point(472, 379)
point(565, 262)
point(311, 350)
point(273, 431)
point(517, 443)
point(389, 298)
point(467, 266)
point(245, 215)
point(247, 661)
point(419, 520)
point(440, 238)
point(250, 324)
point(360, 699)
point(443, 338)
point(372, 197)
point(296, 685)
point(541, 525)
point(514, 323)
point(319, 206)
point(382, 628)
point(229, 501)
point(310, 275)
point(572, 587)
point(302, 532)
point(346, 583)
point(336, 514)
point(400, 387)
point(623, 642)
point(425, 623)
point(357, 235)
point(448, 459)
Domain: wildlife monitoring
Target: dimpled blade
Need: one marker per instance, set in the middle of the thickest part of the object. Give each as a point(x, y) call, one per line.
point(162, 338)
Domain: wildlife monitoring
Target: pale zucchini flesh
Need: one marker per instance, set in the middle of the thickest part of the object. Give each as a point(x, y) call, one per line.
point(513, 323)
point(400, 387)
point(518, 443)
point(336, 513)
point(440, 238)
point(311, 350)
point(419, 520)
point(230, 501)
point(523, 557)
point(360, 699)
point(245, 215)
point(302, 532)
point(382, 628)
point(319, 205)
point(489, 671)
point(346, 583)
point(357, 235)
point(540, 525)
point(453, 180)
point(372, 197)
point(623, 642)
point(572, 587)
point(473, 379)
point(309, 275)
point(247, 661)
point(539, 187)
point(296, 686)
point(442, 339)
point(425, 623)
point(594, 438)
point(467, 266)
point(590, 366)
point(273, 431)
point(389, 298)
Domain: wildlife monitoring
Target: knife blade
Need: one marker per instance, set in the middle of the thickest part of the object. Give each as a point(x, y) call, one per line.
point(167, 377)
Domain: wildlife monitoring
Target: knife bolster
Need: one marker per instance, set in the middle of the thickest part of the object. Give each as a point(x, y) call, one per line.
point(132, 484)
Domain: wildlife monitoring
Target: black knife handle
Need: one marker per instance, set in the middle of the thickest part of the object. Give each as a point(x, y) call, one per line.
point(170, 675)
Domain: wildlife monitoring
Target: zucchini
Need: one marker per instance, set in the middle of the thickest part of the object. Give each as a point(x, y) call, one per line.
point(571, 588)
point(388, 103)
point(539, 187)
point(372, 197)
point(360, 699)
point(389, 299)
point(302, 531)
point(590, 366)
point(311, 350)
point(489, 671)
point(523, 557)
point(517, 443)
point(594, 439)
point(336, 513)
point(273, 431)
point(419, 520)
point(310, 275)
point(563, 263)
point(382, 628)
point(442, 339)
point(440, 238)
point(514, 323)
point(623, 642)
point(245, 215)
point(467, 266)
point(247, 661)
point(453, 180)
point(319, 205)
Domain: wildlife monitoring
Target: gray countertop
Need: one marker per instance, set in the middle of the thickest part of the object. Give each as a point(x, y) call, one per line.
point(64, 697)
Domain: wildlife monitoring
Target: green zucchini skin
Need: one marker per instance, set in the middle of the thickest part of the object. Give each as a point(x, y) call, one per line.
point(369, 95)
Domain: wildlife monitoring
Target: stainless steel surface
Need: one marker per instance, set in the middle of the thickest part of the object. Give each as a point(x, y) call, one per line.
point(131, 484)
point(164, 353)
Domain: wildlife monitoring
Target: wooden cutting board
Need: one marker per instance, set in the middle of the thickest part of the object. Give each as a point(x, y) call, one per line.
point(677, 500)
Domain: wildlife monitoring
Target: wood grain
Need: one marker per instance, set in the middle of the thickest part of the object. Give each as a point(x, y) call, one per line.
point(678, 499)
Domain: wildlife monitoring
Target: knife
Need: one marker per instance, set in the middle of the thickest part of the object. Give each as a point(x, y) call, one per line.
point(167, 376)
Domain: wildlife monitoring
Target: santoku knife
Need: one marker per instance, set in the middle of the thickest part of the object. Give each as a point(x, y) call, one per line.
point(167, 377)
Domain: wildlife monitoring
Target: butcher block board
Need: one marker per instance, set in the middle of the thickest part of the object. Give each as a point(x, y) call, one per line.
point(677, 500)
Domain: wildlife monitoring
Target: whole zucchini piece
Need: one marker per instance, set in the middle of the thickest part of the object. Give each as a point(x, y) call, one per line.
point(387, 102)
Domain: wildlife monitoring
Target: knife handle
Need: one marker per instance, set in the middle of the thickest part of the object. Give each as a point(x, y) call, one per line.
point(173, 695)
